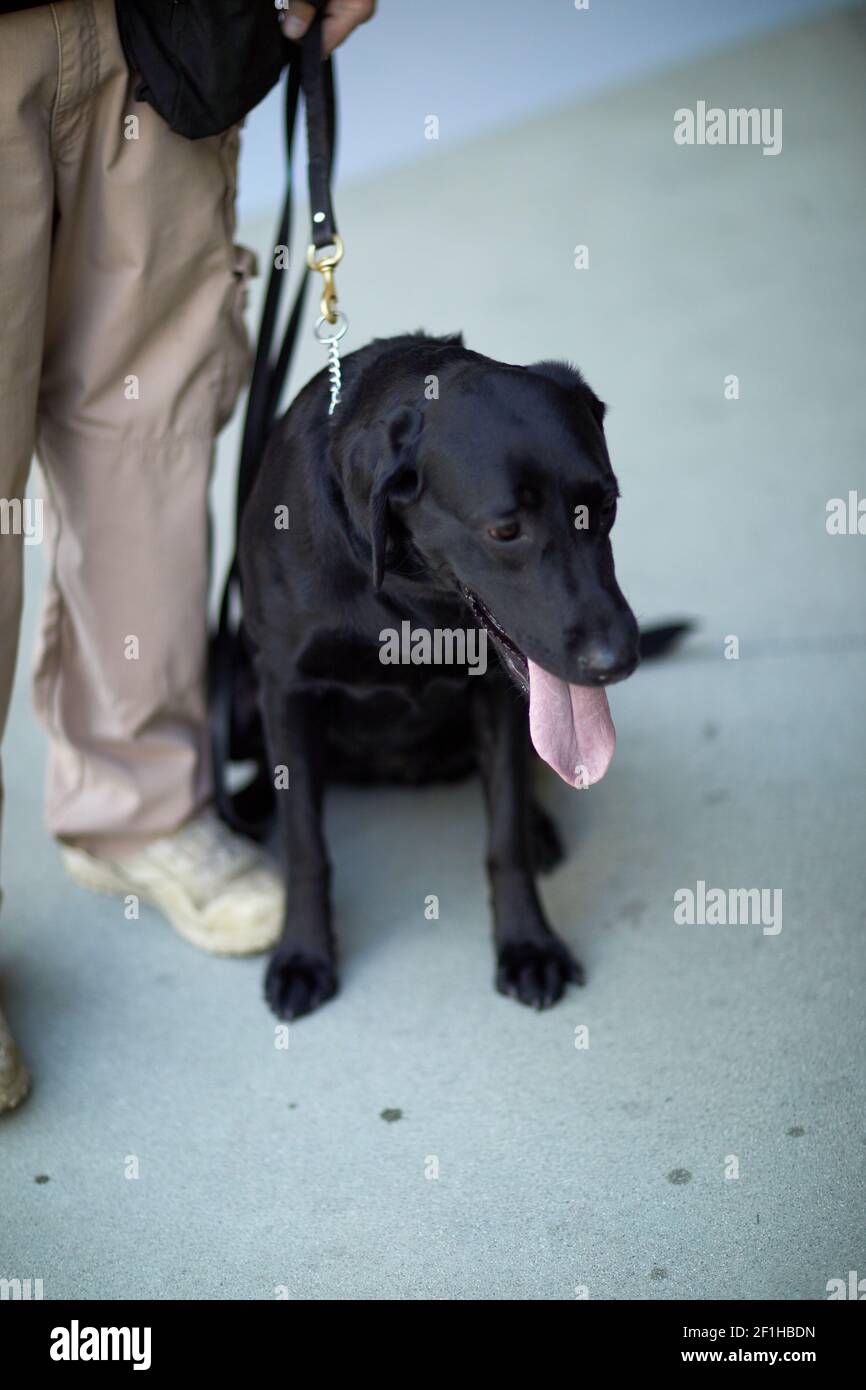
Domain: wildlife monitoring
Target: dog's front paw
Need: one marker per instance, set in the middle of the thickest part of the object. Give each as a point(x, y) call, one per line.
point(536, 974)
point(296, 983)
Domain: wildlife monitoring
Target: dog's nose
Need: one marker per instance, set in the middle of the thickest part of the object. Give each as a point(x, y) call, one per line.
point(603, 661)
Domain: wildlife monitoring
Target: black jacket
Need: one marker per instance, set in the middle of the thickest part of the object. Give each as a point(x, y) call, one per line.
point(203, 63)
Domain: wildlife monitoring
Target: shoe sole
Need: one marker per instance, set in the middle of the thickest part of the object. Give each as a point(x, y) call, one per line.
point(175, 907)
point(13, 1093)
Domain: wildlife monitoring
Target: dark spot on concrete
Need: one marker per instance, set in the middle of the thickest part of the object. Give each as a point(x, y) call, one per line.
point(679, 1176)
point(293, 1105)
point(638, 1108)
point(710, 731)
point(667, 1098)
point(757, 1218)
point(41, 1177)
point(391, 1115)
point(633, 910)
point(796, 1131)
point(712, 798)
point(658, 1272)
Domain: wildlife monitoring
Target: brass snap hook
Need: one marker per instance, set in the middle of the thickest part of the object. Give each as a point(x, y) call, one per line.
point(325, 264)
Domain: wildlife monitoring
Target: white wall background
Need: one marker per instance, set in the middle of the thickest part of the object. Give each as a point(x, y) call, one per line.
point(477, 64)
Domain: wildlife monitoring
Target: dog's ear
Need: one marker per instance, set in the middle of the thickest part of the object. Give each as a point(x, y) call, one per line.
point(569, 377)
point(397, 479)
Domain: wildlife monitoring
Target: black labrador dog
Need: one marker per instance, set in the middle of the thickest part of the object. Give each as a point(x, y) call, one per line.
point(450, 500)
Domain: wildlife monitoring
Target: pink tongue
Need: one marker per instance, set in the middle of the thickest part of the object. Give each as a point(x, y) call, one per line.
point(571, 727)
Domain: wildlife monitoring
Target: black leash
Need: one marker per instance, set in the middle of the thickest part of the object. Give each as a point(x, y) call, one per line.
point(235, 723)
point(316, 79)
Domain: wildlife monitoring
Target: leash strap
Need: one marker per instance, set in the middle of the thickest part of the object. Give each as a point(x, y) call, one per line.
point(319, 103)
point(230, 660)
point(316, 77)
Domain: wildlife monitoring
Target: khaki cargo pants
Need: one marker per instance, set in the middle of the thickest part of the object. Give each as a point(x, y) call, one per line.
point(122, 353)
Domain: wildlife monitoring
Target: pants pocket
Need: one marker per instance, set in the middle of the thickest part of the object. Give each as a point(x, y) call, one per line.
point(238, 359)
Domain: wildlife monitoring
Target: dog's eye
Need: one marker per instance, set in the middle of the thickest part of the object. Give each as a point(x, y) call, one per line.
point(508, 531)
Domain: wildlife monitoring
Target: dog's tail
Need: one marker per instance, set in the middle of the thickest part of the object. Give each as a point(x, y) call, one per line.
point(658, 641)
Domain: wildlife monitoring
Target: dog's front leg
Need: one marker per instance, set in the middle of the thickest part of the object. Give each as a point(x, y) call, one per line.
point(302, 971)
point(532, 964)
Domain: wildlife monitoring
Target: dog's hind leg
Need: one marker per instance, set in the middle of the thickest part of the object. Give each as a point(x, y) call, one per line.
point(302, 970)
point(532, 964)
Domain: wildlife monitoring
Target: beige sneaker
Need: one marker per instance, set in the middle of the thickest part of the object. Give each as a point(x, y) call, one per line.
point(217, 889)
point(14, 1081)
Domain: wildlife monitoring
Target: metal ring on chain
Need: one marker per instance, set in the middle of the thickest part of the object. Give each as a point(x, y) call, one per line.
point(335, 331)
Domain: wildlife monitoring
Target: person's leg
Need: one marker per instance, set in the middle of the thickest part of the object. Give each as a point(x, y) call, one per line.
point(28, 80)
point(146, 351)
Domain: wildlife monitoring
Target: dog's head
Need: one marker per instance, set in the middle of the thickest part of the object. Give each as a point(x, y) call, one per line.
point(502, 489)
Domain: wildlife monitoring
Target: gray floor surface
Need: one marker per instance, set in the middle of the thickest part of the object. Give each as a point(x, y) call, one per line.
point(559, 1168)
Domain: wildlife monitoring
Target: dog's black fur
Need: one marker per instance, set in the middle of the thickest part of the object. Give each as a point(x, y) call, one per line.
point(392, 501)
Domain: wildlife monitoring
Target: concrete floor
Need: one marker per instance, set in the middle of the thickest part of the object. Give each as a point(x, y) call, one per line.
point(559, 1168)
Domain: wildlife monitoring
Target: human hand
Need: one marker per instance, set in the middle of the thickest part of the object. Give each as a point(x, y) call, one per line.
point(339, 18)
